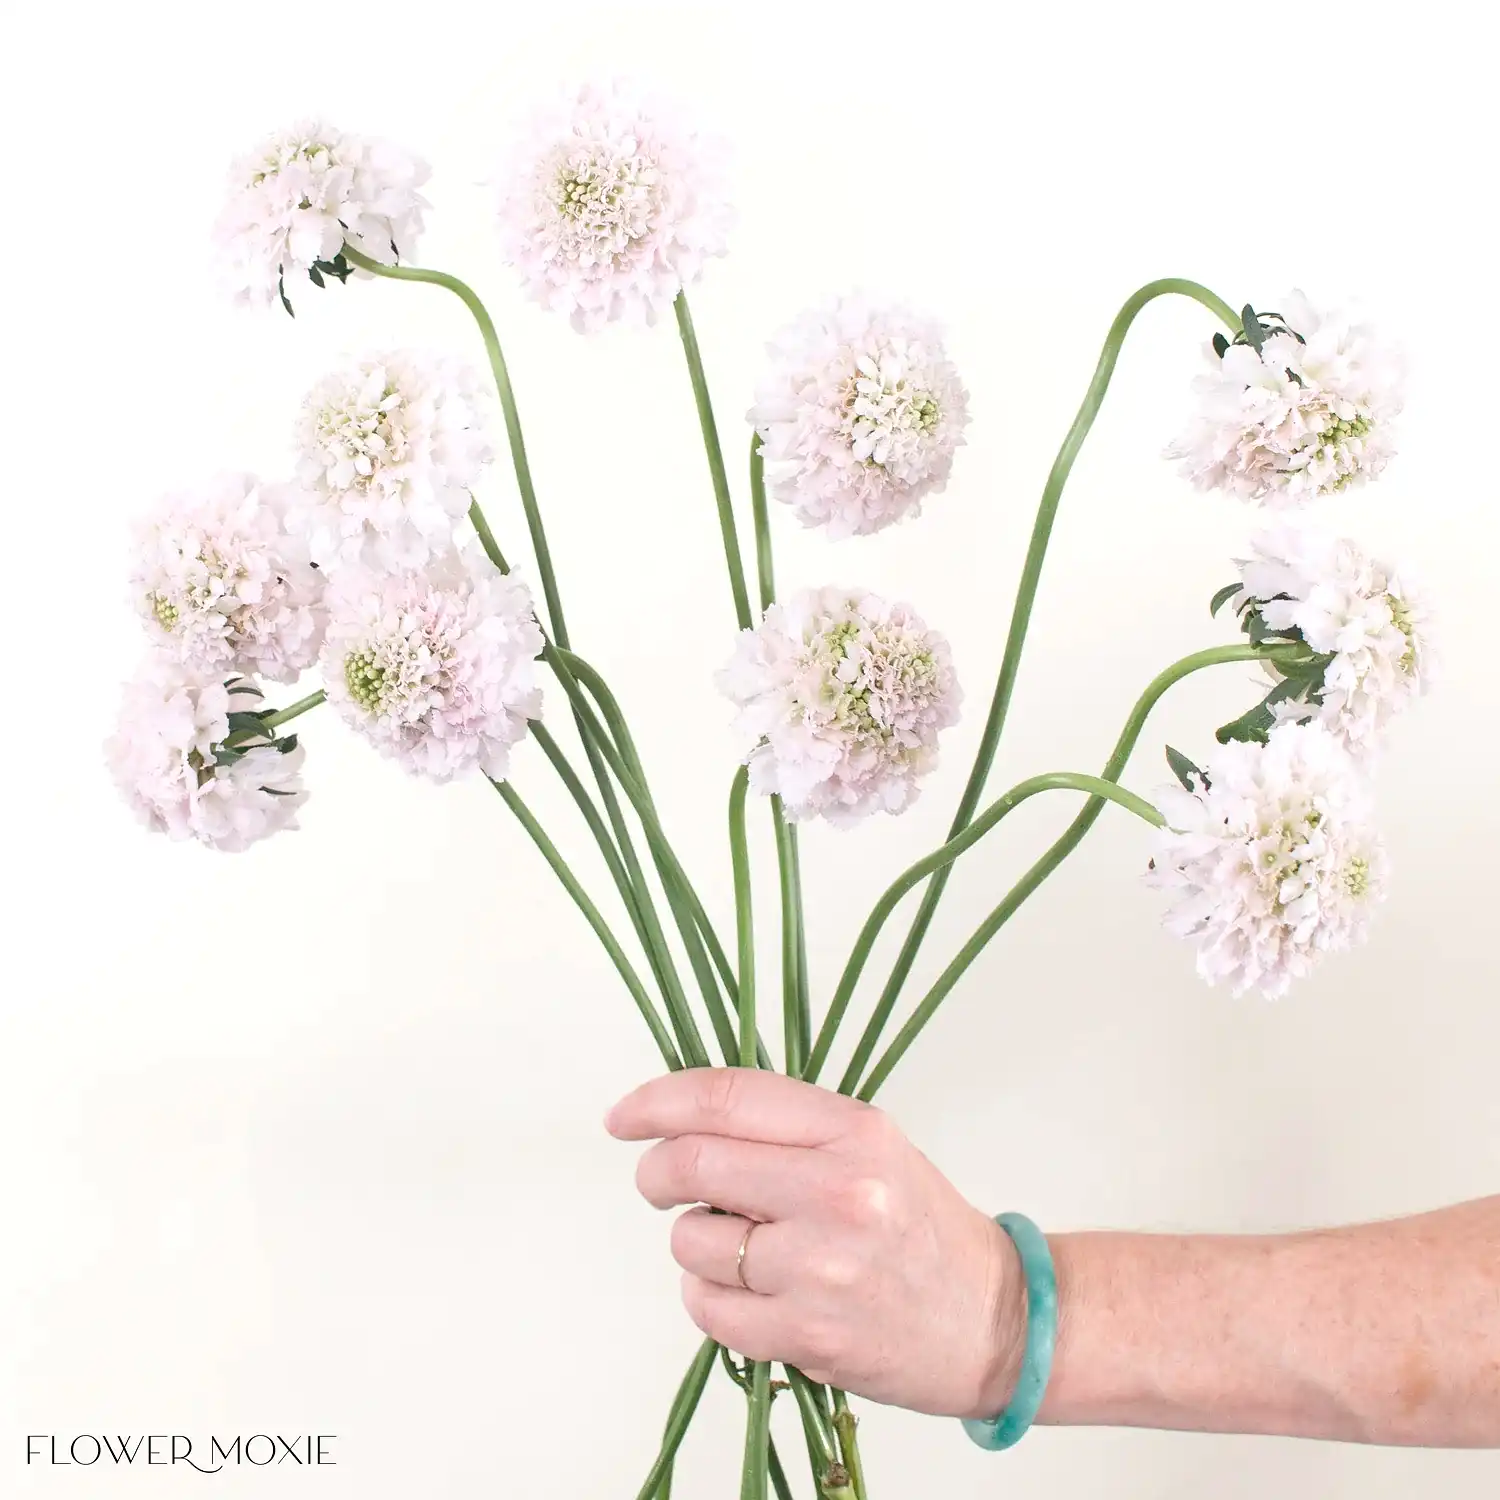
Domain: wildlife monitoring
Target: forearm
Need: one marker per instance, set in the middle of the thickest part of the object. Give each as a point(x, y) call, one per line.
point(1382, 1333)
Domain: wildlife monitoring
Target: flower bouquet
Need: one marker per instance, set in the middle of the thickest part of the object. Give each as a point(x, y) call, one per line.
point(372, 563)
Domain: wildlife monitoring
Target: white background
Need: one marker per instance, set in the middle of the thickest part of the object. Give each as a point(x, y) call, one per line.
point(308, 1139)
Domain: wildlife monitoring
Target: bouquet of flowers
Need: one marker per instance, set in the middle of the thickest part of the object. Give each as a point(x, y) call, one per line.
point(372, 564)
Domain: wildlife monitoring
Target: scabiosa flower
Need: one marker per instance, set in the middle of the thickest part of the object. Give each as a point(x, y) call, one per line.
point(170, 762)
point(1364, 619)
point(841, 697)
point(388, 451)
point(302, 194)
point(224, 586)
point(435, 668)
point(859, 416)
point(1270, 858)
point(611, 206)
point(1305, 414)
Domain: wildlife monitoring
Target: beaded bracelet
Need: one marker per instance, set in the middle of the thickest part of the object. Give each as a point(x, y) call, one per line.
point(1041, 1338)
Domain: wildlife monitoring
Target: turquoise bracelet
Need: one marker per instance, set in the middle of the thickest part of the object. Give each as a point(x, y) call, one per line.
point(1041, 1338)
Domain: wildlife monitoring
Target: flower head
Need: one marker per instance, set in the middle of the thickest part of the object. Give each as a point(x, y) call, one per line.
point(1367, 623)
point(170, 762)
point(224, 586)
point(611, 206)
point(1270, 858)
point(435, 668)
point(859, 416)
point(1305, 414)
point(302, 194)
point(388, 451)
point(841, 698)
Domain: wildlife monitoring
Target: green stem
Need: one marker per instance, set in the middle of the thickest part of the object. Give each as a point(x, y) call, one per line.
point(591, 913)
point(1031, 574)
point(1071, 837)
point(815, 1424)
point(845, 1423)
point(696, 931)
point(291, 711)
point(799, 953)
point(778, 1474)
point(790, 975)
point(540, 549)
point(689, 1393)
point(765, 568)
point(757, 1435)
point(1100, 788)
point(628, 881)
point(715, 462)
point(744, 923)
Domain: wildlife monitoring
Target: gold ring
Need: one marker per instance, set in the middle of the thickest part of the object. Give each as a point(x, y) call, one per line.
point(739, 1262)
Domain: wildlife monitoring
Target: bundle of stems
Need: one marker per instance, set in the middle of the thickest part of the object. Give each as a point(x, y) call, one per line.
point(725, 986)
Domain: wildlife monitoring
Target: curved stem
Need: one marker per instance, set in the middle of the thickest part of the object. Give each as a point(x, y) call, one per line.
point(744, 923)
point(706, 421)
point(1114, 768)
point(591, 913)
point(294, 710)
point(689, 1393)
point(765, 569)
point(1100, 788)
point(1071, 837)
point(507, 396)
point(1031, 573)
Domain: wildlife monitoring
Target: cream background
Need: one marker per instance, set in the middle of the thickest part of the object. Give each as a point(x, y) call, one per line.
point(308, 1140)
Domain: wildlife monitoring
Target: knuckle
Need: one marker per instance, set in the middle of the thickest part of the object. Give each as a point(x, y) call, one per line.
point(839, 1270)
point(827, 1342)
point(695, 1301)
point(687, 1237)
point(688, 1165)
point(875, 1130)
point(865, 1202)
point(720, 1092)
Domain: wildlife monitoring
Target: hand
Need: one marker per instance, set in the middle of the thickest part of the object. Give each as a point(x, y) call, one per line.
point(868, 1269)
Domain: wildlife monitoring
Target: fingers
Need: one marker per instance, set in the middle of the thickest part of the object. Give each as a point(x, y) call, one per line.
point(708, 1245)
point(743, 1102)
point(759, 1327)
point(745, 1177)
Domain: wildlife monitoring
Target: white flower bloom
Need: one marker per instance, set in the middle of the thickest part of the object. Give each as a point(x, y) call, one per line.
point(224, 587)
point(1353, 608)
point(435, 668)
point(1274, 862)
point(841, 698)
point(172, 724)
point(1298, 419)
point(302, 194)
point(611, 206)
point(388, 451)
point(859, 416)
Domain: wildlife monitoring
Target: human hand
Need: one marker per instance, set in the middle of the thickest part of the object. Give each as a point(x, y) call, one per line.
point(868, 1270)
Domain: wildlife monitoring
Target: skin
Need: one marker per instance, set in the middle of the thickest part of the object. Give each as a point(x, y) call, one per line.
point(869, 1271)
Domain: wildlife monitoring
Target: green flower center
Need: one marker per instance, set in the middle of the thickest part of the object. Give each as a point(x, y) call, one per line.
point(164, 610)
point(1357, 877)
point(365, 681)
point(1401, 618)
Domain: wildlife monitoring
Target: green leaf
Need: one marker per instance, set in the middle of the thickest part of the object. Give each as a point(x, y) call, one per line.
point(287, 745)
point(271, 791)
point(1255, 330)
point(1249, 728)
point(281, 292)
point(1184, 770)
point(1221, 345)
point(237, 685)
point(246, 723)
point(314, 275)
point(1223, 597)
point(226, 755)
